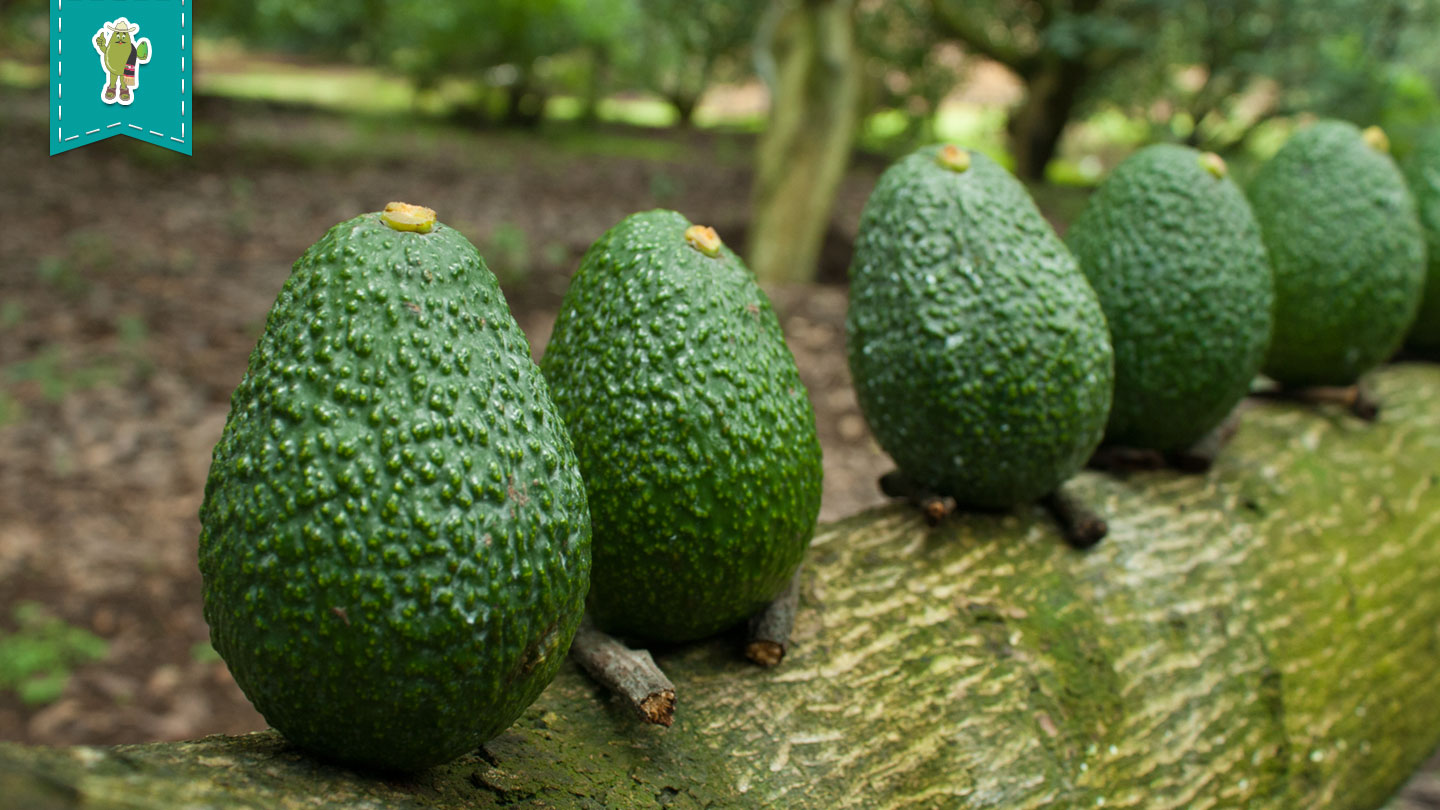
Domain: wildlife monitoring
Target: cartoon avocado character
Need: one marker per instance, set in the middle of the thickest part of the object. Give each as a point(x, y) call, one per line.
point(120, 53)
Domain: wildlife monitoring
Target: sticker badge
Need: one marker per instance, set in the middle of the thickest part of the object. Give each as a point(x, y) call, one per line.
point(121, 52)
point(100, 51)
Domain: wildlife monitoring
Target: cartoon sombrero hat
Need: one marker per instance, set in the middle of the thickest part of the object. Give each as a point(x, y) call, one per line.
point(121, 24)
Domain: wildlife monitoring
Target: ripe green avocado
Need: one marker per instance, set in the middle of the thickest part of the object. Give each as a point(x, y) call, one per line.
point(394, 538)
point(1422, 171)
point(979, 352)
point(696, 437)
point(1347, 251)
point(1171, 248)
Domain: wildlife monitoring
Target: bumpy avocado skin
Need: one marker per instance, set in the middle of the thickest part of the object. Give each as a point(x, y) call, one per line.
point(1422, 172)
point(979, 353)
point(1347, 251)
point(395, 544)
point(695, 435)
point(1174, 254)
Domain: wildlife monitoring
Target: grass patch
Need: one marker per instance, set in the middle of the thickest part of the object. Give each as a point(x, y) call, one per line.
point(23, 75)
point(37, 658)
point(201, 652)
point(349, 89)
point(56, 376)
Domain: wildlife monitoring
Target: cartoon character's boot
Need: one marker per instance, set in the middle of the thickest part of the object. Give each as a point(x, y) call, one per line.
point(124, 93)
point(110, 92)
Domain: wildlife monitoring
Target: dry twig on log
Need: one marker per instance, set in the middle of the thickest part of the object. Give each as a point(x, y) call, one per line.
point(631, 674)
point(1359, 399)
point(1082, 525)
point(1199, 457)
point(933, 506)
point(770, 628)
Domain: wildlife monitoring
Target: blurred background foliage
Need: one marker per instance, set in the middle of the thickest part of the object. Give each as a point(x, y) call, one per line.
point(1204, 71)
point(1089, 80)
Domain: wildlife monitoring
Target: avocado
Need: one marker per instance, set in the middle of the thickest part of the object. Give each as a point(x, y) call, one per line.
point(695, 435)
point(1171, 248)
point(394, 539)
point(1422, 171)
point(1348, 254)
point(979, 353)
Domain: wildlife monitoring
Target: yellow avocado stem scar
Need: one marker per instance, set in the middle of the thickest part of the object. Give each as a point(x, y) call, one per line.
point(704, 239)
point(406, 217)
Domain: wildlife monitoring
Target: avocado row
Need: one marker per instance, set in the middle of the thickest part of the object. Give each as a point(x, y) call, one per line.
point(991, 360)
point(402, 511)
point(405, 518)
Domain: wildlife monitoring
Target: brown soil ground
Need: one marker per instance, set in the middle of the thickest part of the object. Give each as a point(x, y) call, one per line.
point(133, 284)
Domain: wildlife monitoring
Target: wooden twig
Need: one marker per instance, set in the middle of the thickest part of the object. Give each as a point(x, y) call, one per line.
point(1365, 405)
point(1358, 398)
point(1415, 354)
point(1082, 525)
point(1200, 457)
point(769, 637)
point(933, 506)
point(631, 674)
point(1115, 459)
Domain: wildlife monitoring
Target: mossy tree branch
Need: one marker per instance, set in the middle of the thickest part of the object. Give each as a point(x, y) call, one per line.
point(1266, 635)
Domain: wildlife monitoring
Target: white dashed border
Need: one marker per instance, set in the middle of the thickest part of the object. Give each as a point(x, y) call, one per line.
point(60, 85)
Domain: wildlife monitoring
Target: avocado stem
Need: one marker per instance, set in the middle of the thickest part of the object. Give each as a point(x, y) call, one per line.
point(1376, 139)
point(770, 628)
point(953, 158)
point(404, 217)
point(631, 674)
point(704, 239)
point(1082, 525)
point(1214, 164)
point(934, 506)
point(1358, 399)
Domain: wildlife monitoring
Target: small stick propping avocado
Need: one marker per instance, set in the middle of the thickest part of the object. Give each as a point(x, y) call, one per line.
point(1116, 459)
point(934, 506)
point(1358, 398)
point(1200, 456)
point(770, 628)
point(1082, 525)
point(631, 674)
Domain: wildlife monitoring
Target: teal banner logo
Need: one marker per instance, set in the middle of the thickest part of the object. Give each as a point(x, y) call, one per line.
point(120, 67)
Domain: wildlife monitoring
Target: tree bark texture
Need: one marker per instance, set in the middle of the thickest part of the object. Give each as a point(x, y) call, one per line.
point(814, 112)
point(1264, 636)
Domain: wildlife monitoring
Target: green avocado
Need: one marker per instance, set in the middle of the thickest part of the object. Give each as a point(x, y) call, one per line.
point(1171, 248)
point(1422, 171)
point(1347, 251)
point(695, 435)
point(394, 537)
point(979, 353)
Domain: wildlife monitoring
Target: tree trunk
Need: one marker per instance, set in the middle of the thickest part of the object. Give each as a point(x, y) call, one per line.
point(1265, 636)
point(524, 102)
point(684, 104)
point(805, 150)
point(595, 85)
point(1052, 91)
